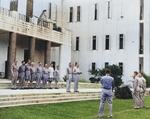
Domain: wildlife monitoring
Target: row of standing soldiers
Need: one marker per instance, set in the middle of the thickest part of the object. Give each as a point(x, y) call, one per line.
point(28, 72)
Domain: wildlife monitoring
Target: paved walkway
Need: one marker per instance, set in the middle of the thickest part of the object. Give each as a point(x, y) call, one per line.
point(42, 91)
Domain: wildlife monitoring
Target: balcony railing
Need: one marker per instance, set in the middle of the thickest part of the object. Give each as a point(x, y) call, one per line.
point(13, 21)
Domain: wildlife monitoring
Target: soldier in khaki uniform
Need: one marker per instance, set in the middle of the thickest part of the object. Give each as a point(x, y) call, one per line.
point(33, 74)
point(14, 73)
point(21, 75)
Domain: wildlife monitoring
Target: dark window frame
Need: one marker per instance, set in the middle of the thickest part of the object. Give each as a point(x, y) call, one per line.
point(107, 41)
point(77, 44)
point(94, 43)
point(106, 64)
point(95, 13)
point(50, 10)
point(13, 5)
point(121, 41)
point(78, 13)
point(71, 14)
point(121, 67)
point(93, 66)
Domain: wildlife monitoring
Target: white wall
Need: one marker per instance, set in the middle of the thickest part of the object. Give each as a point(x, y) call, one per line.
point(128, 25)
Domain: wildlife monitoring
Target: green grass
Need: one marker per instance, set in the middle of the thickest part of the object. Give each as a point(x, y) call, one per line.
point(84, 81)
point(122, 109)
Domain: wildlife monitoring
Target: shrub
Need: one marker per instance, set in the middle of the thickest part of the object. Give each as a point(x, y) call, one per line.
point(83, 80)
point(116, 73)
point(123, 93)
point(147, 80)
point(65, 78)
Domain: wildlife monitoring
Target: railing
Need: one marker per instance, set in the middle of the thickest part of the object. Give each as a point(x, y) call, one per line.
point(12, 21)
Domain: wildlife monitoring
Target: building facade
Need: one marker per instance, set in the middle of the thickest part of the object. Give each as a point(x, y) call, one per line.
point(104, 32)
point(30, 29)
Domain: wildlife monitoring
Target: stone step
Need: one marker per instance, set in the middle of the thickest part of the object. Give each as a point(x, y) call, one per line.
point(6, 84)
point(1, 106)
point(33, 101)
point(49, 94)
point(44, 96)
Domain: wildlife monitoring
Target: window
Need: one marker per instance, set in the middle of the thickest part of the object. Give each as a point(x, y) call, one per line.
point(50, 10)
point(106, 64)
point(13, 5)
point(77, 43)
point(107, 42)
point(94, 43)
point(93, 65)
point(55, 12)
point(141, 9)
point(95, 15)
point(71, 14)
point(121, 41)
point(121, 67)
point(109, 10)
point(78, 13)
point(29, 11)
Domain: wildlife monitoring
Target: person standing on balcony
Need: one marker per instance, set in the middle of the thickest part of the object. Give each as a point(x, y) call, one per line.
point(107, 83)
point(69, 77)
point(21, 75)
point(38, 75)
point(56, 76)
point(33, 74)
point(27, 73)
point(51, 75)
point(14, 73)
point(45, 76)
point(76, 73)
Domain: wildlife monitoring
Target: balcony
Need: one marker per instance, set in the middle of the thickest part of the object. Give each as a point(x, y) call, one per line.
point(12, 21)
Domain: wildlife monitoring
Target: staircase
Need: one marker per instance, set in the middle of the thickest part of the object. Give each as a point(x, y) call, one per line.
point(32, 99)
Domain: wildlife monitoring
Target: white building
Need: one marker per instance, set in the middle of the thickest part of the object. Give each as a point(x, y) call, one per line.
point(103, 32)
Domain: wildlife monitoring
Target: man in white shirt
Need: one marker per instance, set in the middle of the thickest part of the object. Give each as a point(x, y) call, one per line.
point(51, 75)
point(76, 73)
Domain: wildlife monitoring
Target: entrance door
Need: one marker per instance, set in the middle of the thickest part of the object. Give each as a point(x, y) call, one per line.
point(26, 55)
point(53, 65)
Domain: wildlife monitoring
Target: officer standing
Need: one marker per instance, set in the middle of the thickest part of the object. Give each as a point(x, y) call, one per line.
point(45, 76)
point(56, 76)
point(107, 82)
point(27, 73)
point(14, 73)
point(76, 73)
point(33, 74)
point(69, 77)
point(39, 75)
point(21, 75)
point(51, 75)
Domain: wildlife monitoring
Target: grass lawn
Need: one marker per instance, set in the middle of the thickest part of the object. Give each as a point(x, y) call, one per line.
point(122, 109)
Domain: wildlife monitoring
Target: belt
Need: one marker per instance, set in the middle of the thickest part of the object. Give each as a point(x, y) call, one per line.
point(39, 72)
point(22, 71)
point(107, 88)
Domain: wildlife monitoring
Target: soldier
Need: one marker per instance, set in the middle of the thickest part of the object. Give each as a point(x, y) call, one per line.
point(137, 87)
point(76, 73)
point(39, 75)
point(56, 76)
point(14, 73)
point(27, 73)
point(142, 92)
point(33, 74)
point(107, 84)
point(21, 75)
point(51, 75)
point(69, 77)
point(45, 76)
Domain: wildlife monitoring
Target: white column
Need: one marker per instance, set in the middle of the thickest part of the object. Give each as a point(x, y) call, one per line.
point(65, 58)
